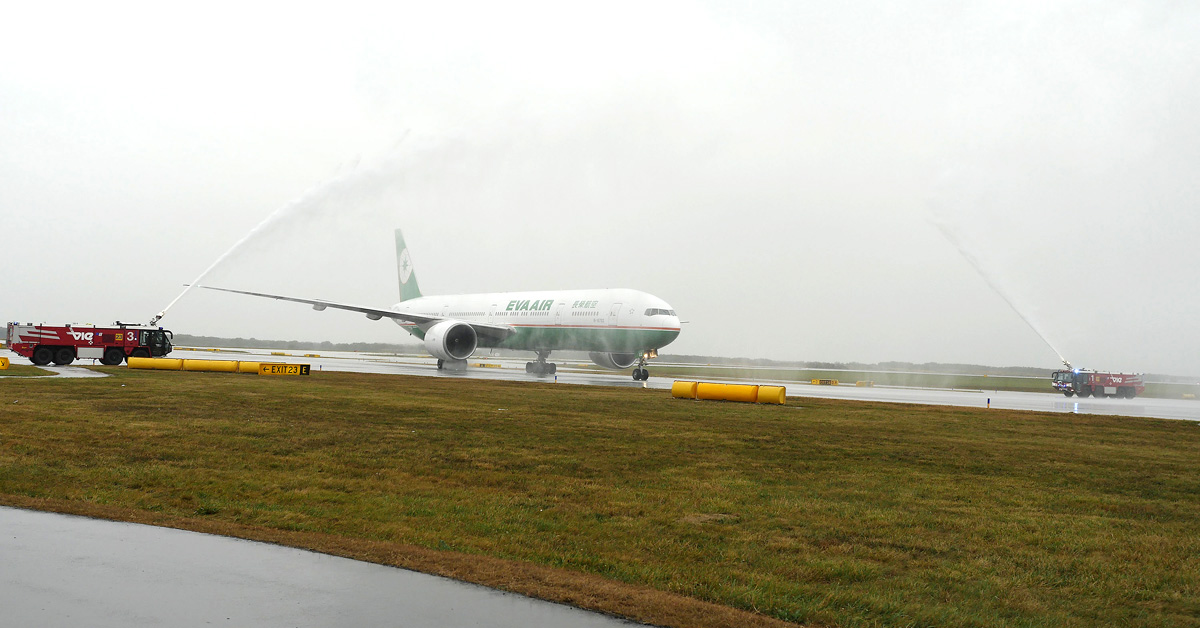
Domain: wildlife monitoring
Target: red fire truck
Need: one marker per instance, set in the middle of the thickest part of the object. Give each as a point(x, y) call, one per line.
point(62, 344)
point(1087, 383)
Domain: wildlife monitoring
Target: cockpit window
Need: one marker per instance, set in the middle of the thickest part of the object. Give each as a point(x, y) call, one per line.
point(654, 311)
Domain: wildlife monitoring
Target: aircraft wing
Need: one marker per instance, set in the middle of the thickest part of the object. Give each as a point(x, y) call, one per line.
point(498, 332)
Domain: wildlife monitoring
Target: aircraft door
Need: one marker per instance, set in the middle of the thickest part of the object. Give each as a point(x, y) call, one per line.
point(558, 312)
point(492, 314)
point(614, 315)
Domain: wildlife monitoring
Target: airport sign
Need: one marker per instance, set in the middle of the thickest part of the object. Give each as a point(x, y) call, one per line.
point(269, 368)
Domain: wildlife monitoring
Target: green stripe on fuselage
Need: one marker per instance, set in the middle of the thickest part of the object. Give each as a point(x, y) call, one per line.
point(556, 338)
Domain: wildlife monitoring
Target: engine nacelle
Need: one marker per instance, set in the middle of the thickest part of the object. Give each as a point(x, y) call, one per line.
point(614, 361)
point(451, 340)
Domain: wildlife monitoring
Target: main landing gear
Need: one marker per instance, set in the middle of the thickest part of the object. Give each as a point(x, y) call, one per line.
point(640, 374)
point(541, 367)
point(453, 366)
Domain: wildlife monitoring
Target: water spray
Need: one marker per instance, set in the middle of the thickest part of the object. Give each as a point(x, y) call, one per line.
point(275, 216)
point(953, 238)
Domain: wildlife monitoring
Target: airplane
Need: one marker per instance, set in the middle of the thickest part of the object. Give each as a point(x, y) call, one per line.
point(619, 328)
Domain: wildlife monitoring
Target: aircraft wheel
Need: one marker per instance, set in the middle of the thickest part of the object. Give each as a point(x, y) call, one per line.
point(112, 356)
point(529, 367)
point(553, 368)
point(42, 356)
point(440, 364)
point(64, 356)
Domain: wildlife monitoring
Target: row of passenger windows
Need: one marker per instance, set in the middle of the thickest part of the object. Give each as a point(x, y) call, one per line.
point(654, 311)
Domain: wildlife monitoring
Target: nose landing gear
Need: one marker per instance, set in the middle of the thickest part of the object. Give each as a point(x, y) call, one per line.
point(640, 374)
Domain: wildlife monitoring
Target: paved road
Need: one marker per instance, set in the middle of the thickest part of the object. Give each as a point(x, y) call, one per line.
point(568, 372)
point(61, 570)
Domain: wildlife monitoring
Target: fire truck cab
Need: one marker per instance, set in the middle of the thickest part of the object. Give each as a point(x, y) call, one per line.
point(63, 344)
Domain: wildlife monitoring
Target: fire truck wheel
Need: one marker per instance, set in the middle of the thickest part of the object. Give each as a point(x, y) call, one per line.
point(42, 356)
point(139, 353)
point(1085, 391)
point(64, 356)
point(1068, 393)
point(112, 356)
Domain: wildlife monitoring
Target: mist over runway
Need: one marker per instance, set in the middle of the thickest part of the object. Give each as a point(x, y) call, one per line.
point(574, 372)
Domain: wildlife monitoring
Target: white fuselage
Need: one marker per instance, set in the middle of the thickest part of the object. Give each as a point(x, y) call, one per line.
point(608, 320)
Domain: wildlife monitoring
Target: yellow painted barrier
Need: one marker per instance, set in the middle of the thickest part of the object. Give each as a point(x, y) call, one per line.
point(212, 366)
point(772, 394)
point(744, 393)
point(864, 384)
point(712, 392)
point(312, 355)
point(160, 364)
point(683, 390)
point(278, 353)
point(485, 365)
point(3, 363)
point(824, 382)
point(218, 366)
point(1189, 395)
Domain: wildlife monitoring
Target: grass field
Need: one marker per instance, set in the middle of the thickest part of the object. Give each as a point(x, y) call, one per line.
point(625, 500)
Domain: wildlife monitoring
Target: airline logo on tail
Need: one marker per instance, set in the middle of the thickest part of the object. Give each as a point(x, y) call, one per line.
point(405, 266)
point(404, 269)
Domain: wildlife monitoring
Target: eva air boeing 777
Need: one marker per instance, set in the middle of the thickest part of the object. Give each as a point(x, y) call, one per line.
point(618, 328)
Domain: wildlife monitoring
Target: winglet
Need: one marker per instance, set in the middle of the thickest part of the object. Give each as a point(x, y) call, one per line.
point(404, 269)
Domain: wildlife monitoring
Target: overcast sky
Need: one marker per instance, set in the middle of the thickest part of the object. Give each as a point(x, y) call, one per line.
point(800, 180)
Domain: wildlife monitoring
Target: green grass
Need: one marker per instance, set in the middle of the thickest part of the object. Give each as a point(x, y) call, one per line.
point(824, 512)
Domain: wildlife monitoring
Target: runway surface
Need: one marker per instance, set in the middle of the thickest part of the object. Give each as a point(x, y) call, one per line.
point(574, 372)
point(61, 570)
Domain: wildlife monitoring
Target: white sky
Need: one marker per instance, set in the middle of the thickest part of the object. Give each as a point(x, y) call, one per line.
point(774, 170)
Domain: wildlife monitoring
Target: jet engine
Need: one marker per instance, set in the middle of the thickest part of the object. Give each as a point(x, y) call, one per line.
point(615, 361)
point(452, 341)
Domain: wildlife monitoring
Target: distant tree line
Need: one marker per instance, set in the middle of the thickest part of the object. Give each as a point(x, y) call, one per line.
point(906, 367)
point(255, 343)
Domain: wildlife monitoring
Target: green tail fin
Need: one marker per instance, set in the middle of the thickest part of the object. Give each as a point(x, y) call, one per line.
point(404, 268)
